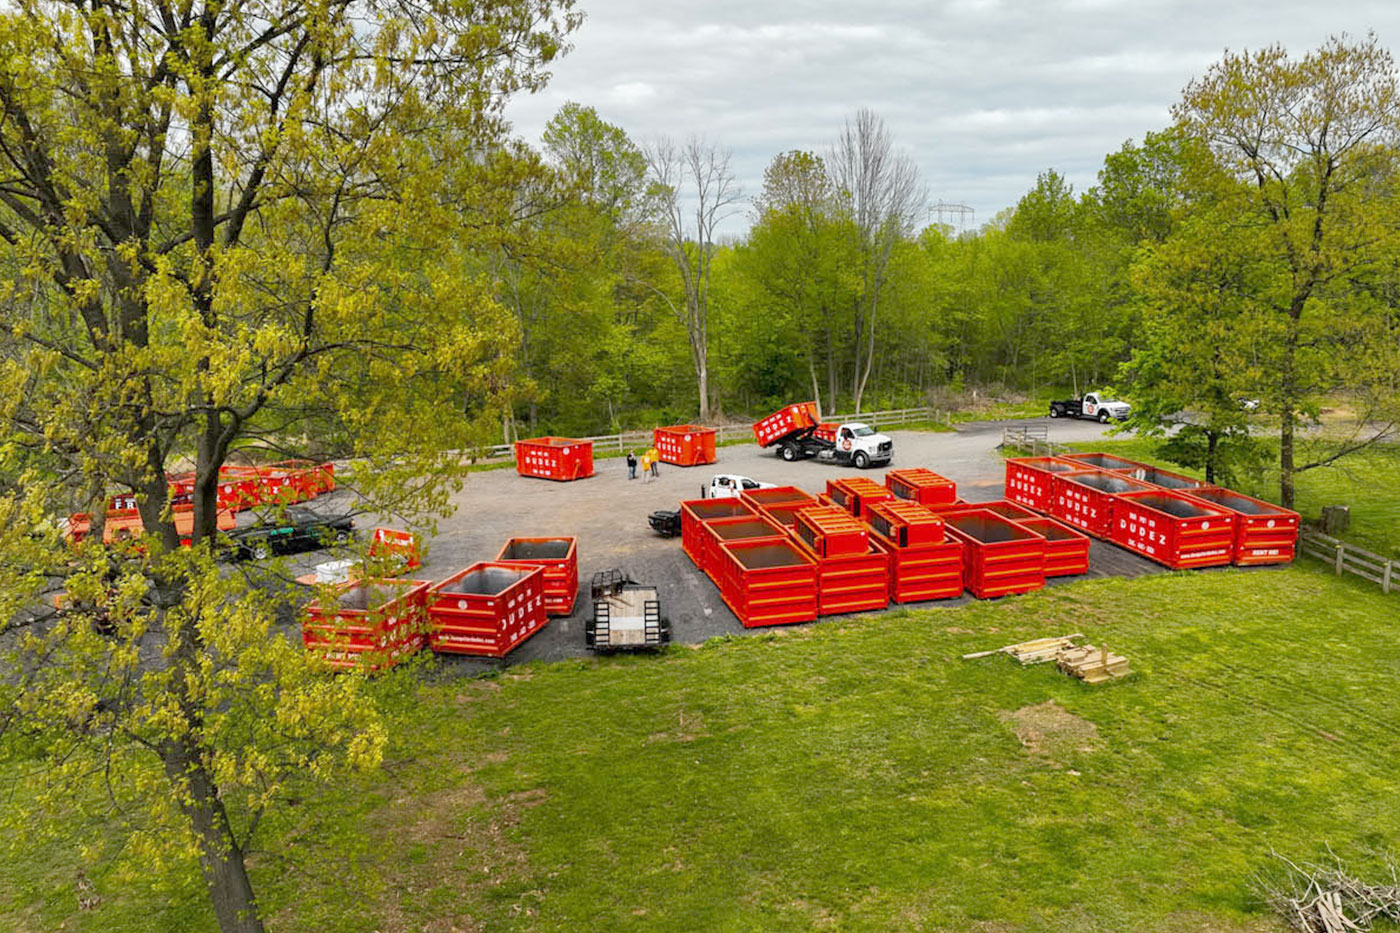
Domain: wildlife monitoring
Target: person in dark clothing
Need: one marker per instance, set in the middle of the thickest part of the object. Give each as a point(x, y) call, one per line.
point(631, 464)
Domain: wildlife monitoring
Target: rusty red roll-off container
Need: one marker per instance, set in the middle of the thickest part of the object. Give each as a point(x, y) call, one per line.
point(1031, 480)
point(1174, 529)
point(736, 528)
point(367, 624)
point(1264, 533)
point(784, 421)
point(486, 610)
point(1085, 500)
point(558, 458)
point(684, 444)
point(695, 511)
point(922, 563)
point(922, 486)
point(559, 558)
point(768, 582)
point(1066, 550)
point(852, 576)
point(999, 556)
point(857, 494)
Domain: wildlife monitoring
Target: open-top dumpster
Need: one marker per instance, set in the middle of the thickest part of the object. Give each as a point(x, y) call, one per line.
point(559, 558)
point(1030, 480)
point(785, 421)
point(695, 511)
point(558, 458)
point(684, 444)
point(925, 487)
point(1264, 533)
point(1000, 557)
point(857, 494)
point(1066, 550)
point(1085, 500)
point(366, 624)
point(1103, 461)
point(768, 582)
point(1174, 529)
point(486, 609)
point(735, 528)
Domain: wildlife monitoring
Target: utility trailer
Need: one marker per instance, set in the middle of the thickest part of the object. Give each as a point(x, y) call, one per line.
point(626, 615)
point(798, 434)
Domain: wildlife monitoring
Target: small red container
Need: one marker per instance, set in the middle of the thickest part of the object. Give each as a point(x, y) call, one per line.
point(1085, 500)
point(736, 528)
point(925, 572)
point(759, 499)
point(404, 547)
point(1174, 529)
point(1264, 533)
point(367, 624)
point(558, 458)
point(1066, 550)
point(999, 556)
point(1030, 480)
point(486, 610)
point(559, 558)
point(768, 582)
point(696, 511)
point(856, 495)
point(827, 531)
point(826, 431)
point(784, 421)
point(851, 582)
point(904, 524)
point(684, 444)
point(922, 486)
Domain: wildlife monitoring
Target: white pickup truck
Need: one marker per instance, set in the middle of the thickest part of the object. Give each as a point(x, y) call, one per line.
point(729, 485)
point(1093, 405)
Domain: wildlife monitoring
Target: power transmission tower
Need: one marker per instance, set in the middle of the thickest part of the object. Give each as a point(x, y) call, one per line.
point(957, 216)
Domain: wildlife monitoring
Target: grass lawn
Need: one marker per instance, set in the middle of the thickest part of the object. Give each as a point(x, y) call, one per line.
point(1367, 481)
point(855, 774)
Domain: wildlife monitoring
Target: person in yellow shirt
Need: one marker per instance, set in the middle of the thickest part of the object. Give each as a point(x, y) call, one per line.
point(654, 457)
point(646, 467)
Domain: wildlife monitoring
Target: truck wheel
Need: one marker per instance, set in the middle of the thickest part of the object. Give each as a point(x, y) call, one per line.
point(261, 551)
point(861, 460)
point(788, 452)
point(1054, 412)
point(1103, 417)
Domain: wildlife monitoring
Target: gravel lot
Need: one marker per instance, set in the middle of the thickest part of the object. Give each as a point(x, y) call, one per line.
point(608, 514)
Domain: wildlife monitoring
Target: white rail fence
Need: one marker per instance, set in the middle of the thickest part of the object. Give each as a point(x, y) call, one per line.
point(729, 433)
point(1348, 558)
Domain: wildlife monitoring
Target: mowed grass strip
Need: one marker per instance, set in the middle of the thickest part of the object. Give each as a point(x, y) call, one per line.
point(859, 774)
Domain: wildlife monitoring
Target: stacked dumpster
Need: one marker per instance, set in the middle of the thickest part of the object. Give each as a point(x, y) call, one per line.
point(922, 486)
point(921, 562)
point(1171, 518)
point(852, 574)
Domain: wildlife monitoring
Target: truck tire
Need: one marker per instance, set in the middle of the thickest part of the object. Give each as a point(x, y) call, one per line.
point(788, 452)
point(860, 460)
point(1054, 411)
point(1103, 417)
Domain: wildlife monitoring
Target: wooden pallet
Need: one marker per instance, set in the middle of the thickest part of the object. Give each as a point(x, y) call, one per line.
point(1031, 652)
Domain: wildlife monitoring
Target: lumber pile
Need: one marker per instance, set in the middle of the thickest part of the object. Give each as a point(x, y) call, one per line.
point(1031, 652)
point(1092, 665)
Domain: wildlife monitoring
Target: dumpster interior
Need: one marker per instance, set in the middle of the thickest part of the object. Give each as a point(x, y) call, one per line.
point(718, 508)
point(1169, 480)
point(1106, 461)
point(1235, 502)
point(485, 581)
point(753, 528)
point(1107, 483)
point(1053, 531)
point(768, 556)
point(546, 549)
point(367, 596)
point(1173, 506)
point(989, 529)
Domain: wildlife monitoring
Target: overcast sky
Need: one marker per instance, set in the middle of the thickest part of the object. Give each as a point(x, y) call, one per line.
point(983, 94)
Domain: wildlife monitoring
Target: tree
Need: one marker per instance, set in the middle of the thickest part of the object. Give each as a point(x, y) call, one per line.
point(230, 228)
point(694, 178)
point(1301, 167)
point(880, 190)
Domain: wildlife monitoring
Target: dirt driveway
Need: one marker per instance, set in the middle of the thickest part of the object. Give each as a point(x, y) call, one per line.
point(608, 514)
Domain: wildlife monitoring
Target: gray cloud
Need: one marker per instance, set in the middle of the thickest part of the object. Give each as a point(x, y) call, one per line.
point(984, 94)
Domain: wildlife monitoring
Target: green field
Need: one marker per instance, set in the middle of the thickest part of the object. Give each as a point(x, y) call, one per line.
point(855, 774)
point(1368, 482)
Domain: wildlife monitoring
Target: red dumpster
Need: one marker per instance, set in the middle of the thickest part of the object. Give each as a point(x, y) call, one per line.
point(785, 513)
point(735, 528)
point(922, 486)
point(1264, 533)
point(1166, 479)
point(486, 609)
point(367, 624)
point(827, 531)
point(1174, 529)
point(924, 572)
point(759, 499)
point(784, 421)
point(1066, 550)
point(181, 488)
point(999, 556)
point(559, 558)
point(694, 511)
point(904, 524)
point(240, 488)
point(1102, 461)
point(557, 458)
point(826, 431)
point(1003, 507)
point(1030, 480)
point(684, 444)
point(1085, 500)
point(404, 548)
point(857, 494)
point(768, 582)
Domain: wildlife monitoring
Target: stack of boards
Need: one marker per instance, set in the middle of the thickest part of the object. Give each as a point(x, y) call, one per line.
point(1090, 664)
